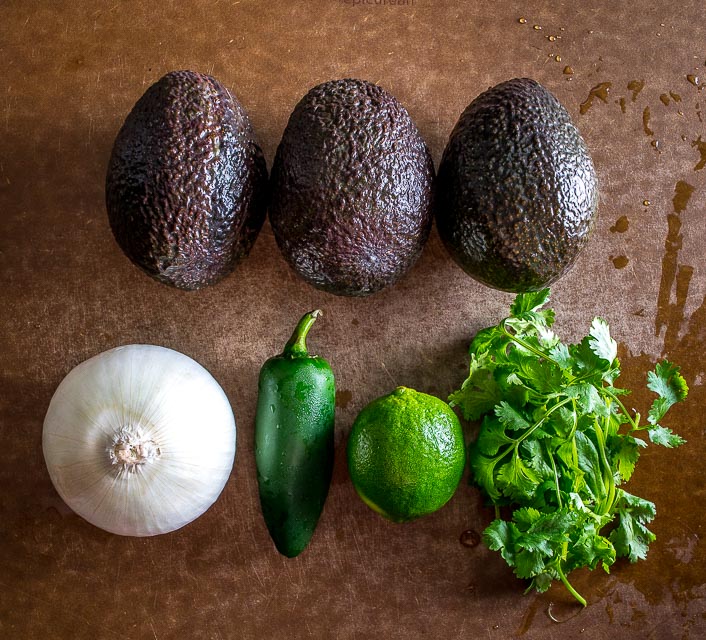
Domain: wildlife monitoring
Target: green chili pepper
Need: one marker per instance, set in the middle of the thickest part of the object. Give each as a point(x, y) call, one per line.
point(294, 440)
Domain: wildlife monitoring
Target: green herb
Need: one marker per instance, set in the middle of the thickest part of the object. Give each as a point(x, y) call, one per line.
point(556, 443)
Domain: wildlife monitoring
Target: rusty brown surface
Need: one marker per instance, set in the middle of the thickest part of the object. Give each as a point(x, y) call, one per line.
point(71, 71)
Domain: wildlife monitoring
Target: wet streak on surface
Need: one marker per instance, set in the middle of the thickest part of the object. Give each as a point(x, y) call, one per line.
point(646, 122)
point(600, 91)
point(701, 148)
point(668, 314)
point(635, 86)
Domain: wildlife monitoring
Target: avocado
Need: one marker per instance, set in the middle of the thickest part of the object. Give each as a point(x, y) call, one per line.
point(351, 194)
point(516, 191)
point(186, 189)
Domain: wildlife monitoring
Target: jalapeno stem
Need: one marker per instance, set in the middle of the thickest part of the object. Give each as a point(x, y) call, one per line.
point(296, 346)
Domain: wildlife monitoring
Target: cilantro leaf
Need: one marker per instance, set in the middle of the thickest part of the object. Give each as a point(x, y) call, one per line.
point(631, 538)
point(500, 536)
point(490, 338)
point(510, 417)
point(669, 385)
point(601, 342)
point(560, 354)
point(587, 398)
point(483, 470)
point(664, 436)
point(624, 452)
point(530, 301)
point(516, 479)
point(536, 458)
point(666, 382)
point(529, 562)
point(589, 463)
point(491, 437)
point(480, 391)
point(591, 367)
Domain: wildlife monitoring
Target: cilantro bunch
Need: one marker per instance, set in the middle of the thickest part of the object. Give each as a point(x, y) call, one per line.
point(556, 443)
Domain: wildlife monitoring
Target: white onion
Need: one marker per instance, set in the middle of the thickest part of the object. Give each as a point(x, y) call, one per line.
point(139, 440)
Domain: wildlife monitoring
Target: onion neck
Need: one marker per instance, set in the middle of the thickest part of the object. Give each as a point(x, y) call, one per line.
point(131, 448)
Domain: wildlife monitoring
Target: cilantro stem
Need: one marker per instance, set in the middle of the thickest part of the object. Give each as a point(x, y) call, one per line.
point(567, 584)
point(556, 479)
point(633, 423)
point(607, 504)
point(527, 345)
point(515, 444)
point(549, 412)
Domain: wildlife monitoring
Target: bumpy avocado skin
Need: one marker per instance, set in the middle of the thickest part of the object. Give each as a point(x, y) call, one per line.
point(516, 190)
point(186, 189)
point(351, 189)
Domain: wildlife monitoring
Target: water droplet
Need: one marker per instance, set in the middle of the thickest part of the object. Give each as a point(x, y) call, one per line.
point(568, 70)
point(675, 96)
point(557, 58)
point(470, 538)
point(664, 98)
point(622, 224)
point(272, 408)
point(590, 31)
point(646, 203)
point(620, 262)
point(537, 27)
point(655, 144)
point(646, 122)
point(693, 79)
point(701, 148)
point(551, 38)
point(636, 86)
point(600, 91)
point(522, 20)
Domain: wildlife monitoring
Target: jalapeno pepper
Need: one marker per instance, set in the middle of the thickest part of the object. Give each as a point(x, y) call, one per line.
point(294, 440)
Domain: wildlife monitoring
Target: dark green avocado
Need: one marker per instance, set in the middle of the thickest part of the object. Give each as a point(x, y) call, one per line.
point(351, 191)
point(516, 192)
point(186, 189)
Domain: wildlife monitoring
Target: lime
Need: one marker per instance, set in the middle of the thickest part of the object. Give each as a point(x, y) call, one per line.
point(406, 454)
